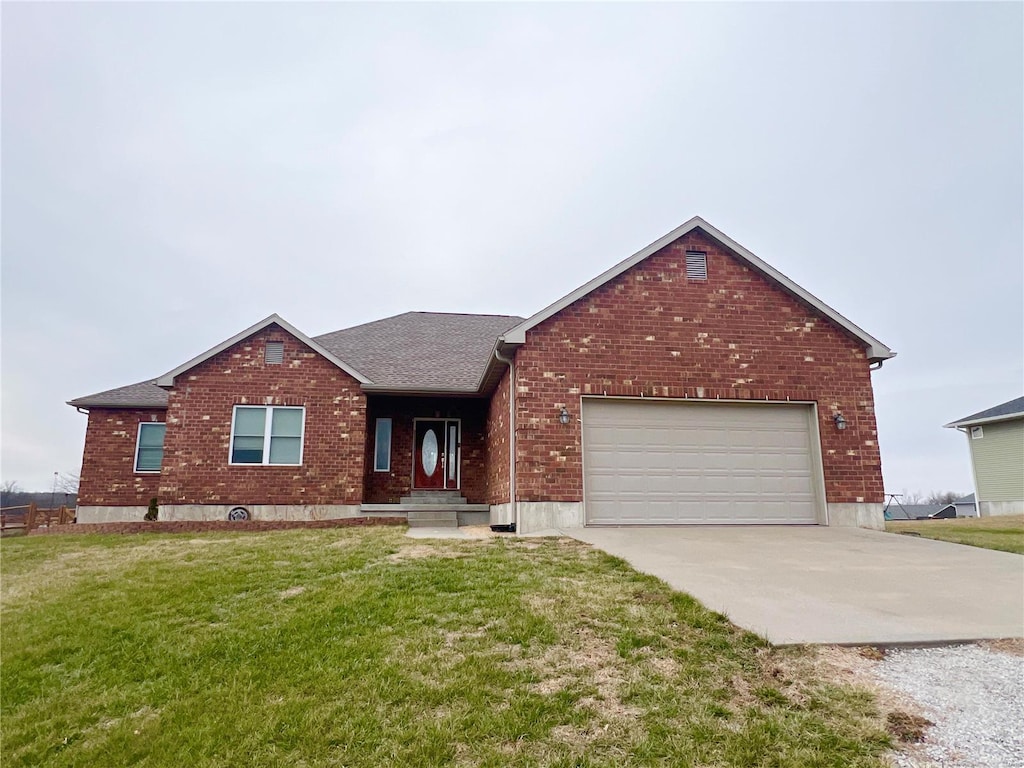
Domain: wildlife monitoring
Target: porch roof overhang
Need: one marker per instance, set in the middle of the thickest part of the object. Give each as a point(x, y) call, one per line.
point(379, 389)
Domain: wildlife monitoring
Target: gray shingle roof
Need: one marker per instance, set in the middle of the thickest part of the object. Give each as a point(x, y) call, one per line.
point(1008, 409)
point(414, 351)
point(421, 350)
point(145, 394)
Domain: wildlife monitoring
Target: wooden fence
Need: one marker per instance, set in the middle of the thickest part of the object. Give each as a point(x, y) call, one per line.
point(28, 517)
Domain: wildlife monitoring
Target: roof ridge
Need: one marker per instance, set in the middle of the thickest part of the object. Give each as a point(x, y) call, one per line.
point(415, 312)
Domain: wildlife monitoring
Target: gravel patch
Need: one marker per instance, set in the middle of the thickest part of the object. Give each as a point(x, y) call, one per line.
point(974, 696)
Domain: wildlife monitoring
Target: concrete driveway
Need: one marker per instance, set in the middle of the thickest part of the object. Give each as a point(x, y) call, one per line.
point(814, 584)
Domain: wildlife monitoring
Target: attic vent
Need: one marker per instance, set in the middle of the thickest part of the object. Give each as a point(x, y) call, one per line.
point(274, 353)
point(696, 265)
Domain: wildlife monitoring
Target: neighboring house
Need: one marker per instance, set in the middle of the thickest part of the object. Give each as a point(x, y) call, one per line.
point(965, 506)
point(996, 440)
point(691, 383)
point(919, 511)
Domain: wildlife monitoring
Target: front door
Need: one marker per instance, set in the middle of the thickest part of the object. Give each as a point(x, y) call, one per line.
point(436, 458)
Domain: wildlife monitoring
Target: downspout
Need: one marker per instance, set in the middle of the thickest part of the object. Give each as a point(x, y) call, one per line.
point(511, 435)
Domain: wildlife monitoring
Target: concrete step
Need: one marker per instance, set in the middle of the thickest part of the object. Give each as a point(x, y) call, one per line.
point(401, 509)
point(433, 497)
point(434, 518)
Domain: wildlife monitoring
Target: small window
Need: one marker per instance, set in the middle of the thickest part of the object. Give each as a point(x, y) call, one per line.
point(273, 354)
point(149, 447)
point(977, 433)
point(382, 449)
point(696, 265)
point(271, 435)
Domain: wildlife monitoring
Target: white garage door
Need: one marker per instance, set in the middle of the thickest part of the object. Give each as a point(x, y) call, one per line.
point(650, 462)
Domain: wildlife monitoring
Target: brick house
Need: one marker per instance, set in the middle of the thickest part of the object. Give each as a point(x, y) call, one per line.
point(691, 383)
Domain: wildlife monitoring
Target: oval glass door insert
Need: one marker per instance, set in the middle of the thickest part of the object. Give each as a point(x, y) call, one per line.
point(429, 452)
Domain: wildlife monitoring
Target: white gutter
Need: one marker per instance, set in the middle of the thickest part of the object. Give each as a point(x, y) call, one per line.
point(510, 362)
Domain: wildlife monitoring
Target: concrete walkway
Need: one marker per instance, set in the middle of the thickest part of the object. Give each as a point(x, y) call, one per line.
point(814, 584)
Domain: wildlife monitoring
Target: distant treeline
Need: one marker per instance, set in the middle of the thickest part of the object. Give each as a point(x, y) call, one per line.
point(40, 499)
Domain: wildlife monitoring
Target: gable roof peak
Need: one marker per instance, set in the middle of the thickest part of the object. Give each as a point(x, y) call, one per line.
point(167, 380)
point(876, 350)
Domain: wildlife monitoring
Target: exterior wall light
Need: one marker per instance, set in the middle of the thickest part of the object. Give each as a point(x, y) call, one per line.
point(563, 416)
point(840, 421)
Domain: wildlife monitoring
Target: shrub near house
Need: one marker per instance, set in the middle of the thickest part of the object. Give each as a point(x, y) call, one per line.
point(691, 383)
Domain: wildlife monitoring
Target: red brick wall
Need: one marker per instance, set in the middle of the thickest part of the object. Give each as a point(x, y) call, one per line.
point(108, 475)
point(388, 487)
point(196, 447)
point(652, 332)
point(497, 445)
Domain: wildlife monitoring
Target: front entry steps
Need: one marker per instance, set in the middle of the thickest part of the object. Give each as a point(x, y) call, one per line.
point(434, 509)
point(433, 518)
point(433, 497)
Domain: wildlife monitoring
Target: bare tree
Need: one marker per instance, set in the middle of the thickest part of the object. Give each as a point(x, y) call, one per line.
point(943, 497)
point(11, 494)
point(67, 482)
point(935, 497)
point(911, 497)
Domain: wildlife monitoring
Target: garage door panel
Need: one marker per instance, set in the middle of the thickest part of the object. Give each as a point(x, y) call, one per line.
point(669, 462)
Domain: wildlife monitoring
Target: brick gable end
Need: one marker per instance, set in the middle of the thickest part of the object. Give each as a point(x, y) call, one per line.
point(196, 467)
point(653, 332)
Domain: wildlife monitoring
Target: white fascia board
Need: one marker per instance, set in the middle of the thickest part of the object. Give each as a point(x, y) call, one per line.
point(987, 420)
point(167, 380)
point(875, 348)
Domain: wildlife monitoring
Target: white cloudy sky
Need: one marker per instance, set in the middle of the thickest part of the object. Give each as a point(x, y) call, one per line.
point(173, 173)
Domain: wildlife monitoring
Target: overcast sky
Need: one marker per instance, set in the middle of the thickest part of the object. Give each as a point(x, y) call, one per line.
point(173, 173)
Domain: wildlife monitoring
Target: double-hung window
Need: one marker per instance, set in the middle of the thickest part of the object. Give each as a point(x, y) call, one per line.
point(149, 446)
point(267, 435)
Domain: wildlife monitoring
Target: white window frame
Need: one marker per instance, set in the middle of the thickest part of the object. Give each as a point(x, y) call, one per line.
point(977, 433)
point(376, 443)
point(138, 443)
point(268, 421)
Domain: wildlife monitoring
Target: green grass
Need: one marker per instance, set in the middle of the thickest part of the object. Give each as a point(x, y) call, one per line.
point(366, 648)
point(1005, 532)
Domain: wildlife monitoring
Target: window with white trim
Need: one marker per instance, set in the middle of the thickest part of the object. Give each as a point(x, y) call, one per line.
point(382, 447)
point(149, 446)
point(977, 433)
point(267, 434)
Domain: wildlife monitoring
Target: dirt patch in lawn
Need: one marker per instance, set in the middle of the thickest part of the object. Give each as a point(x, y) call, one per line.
point(587, 660)
point(421, 551)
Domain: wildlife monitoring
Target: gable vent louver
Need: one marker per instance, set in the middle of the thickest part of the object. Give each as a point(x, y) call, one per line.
point(696, 265)
point(274, 353)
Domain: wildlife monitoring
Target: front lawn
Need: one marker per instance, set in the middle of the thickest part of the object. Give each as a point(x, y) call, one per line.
point(1005, 532)
point(361, 647)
